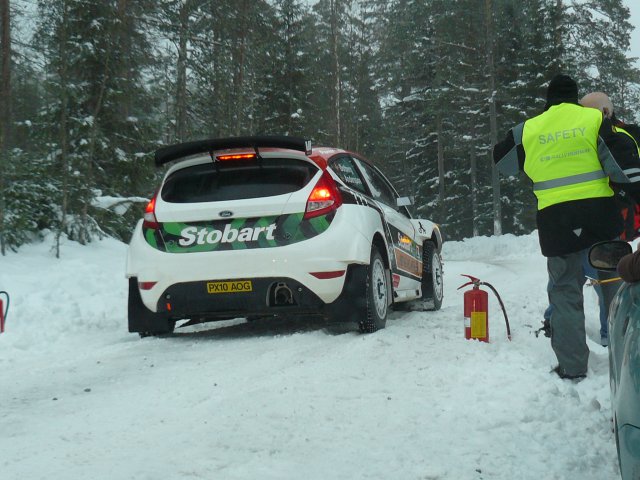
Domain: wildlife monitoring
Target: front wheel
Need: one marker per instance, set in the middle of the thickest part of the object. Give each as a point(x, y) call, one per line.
point(377, 295)
point(432, 277)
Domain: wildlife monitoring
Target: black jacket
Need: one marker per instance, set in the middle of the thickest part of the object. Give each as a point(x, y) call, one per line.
point(572, 226)
point(628, 194)
point(630, 164)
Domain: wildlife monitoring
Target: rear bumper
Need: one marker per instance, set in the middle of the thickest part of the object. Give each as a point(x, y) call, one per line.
point(192, 301)
point(268, 296)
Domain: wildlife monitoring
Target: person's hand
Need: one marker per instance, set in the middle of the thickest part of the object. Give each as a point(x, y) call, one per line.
point(629, 267)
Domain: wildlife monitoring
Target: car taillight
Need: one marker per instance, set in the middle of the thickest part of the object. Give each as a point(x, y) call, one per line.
point(149, 219)
point(241, 156)
point(328, 275)
point(146, 285)
point(324, 198)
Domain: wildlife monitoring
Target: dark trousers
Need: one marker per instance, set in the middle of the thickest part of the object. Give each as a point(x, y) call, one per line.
point(568, 337)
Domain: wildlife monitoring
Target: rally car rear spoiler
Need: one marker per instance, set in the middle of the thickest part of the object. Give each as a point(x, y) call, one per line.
point(174, 152)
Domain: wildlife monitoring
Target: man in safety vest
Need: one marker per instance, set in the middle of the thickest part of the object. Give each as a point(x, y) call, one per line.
point(570, 153)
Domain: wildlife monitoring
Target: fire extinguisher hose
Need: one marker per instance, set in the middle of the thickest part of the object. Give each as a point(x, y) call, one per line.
point(6, 308)
point(504, 311)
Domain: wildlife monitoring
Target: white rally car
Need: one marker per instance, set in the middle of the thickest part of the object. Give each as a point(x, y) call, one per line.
point(267, 226)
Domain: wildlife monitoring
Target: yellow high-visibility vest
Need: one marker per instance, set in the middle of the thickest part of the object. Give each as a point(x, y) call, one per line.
point(561, 147)
point(620, 129)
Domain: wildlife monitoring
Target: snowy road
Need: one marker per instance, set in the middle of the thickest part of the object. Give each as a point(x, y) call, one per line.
point(81, 398)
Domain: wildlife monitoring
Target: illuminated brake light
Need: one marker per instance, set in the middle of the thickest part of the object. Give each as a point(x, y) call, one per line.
point(324, 198)
point(328, 275)
point(146, 285)
point(149, 218)
point(242, 156)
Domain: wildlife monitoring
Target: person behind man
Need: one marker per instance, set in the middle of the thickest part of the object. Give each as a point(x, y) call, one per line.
point(570, 153)
point(627, 195)
point(629, 163)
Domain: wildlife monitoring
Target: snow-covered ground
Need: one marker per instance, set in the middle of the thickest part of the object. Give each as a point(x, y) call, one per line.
point(81, 398)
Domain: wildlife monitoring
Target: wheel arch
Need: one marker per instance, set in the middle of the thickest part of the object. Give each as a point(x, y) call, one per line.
point(428, 231)
point(381, 245)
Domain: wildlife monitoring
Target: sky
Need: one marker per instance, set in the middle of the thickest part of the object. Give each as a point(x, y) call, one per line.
point(80, 397)
point(634, 8)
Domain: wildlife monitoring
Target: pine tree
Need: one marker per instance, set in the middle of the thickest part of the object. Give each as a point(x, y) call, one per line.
point(282, 103)
point(361, 117)
point(598, 39)
point(406, 82)
point(5, 109)
point(95, 108)
point(28, 192)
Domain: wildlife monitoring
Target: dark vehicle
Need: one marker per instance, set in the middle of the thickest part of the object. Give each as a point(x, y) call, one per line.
point(624, 358)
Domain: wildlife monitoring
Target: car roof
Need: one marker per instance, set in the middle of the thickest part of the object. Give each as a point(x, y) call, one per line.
point(321, 155)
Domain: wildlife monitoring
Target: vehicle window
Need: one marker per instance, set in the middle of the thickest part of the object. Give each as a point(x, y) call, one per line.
point(234, 180)
point(348, 173)
point(380, 189)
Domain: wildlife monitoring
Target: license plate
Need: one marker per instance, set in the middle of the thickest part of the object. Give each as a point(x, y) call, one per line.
point(235, 286)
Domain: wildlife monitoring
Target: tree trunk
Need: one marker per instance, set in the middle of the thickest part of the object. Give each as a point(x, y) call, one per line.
point(335, 42)
point(440, 170)
point(556, 65)
point(495, 179)
point(5, 108)
point(181, 81)
point(85, 234)
point(474, 190)
point(239, 108)
point(64, 147)
point(124, 66)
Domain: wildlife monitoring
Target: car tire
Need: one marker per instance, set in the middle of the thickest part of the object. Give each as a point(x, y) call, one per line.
point(377, 295)
point(615, 433)
point(143, 320)
point(432, 277)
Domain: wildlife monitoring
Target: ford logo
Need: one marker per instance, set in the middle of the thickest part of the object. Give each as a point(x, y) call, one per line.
point(226, 213)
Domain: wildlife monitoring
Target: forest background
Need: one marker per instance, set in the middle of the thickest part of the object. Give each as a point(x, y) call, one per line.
point(424, 88)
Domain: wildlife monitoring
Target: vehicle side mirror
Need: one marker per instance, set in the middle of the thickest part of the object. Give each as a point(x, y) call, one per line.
point(606, 255)
point(403, 201)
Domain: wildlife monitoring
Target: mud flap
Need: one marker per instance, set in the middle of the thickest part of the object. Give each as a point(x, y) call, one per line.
point(141, 319)
point(351, 305)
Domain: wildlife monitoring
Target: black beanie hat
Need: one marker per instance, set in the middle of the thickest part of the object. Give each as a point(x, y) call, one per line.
point(562, 88)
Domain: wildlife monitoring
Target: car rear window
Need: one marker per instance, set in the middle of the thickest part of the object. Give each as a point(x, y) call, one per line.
point(234, 180)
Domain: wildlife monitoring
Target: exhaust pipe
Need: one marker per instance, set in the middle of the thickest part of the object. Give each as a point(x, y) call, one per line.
point(282, 294)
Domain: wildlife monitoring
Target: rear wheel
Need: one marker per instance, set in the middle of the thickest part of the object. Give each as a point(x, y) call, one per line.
point(432, 277)
point(615, 433)
point(377, 295)
point(143, 320)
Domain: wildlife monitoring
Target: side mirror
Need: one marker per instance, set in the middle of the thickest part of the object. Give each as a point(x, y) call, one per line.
point(606, 255)
point(403, 202)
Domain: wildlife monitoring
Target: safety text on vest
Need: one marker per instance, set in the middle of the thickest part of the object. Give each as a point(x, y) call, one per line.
point(558, 135)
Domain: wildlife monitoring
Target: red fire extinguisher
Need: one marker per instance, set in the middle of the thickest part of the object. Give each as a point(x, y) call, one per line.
point(3, 311)
point(476, 310)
